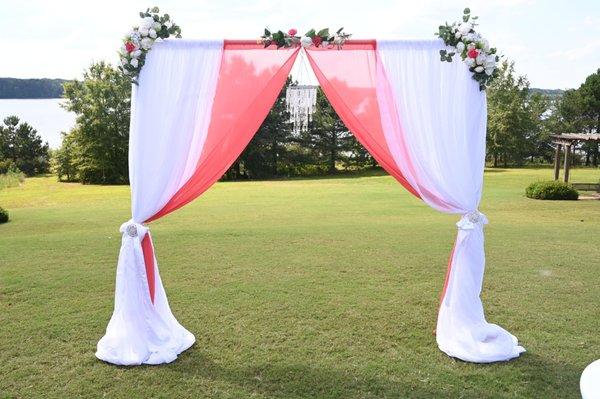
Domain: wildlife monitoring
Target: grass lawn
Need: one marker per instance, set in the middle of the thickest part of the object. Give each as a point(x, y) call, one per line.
point(324, 288)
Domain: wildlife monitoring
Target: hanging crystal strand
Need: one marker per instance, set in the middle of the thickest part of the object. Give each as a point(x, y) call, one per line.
point(301, 101)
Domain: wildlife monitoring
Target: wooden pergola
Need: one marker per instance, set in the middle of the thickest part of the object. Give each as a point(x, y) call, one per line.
point(568, 140)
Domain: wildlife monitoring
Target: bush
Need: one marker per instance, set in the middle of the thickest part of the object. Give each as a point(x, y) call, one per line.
point(11, 179)
point(3, 216)
point(551, 190)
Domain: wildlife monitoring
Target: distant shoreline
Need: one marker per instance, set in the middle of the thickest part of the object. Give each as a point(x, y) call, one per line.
point(31, 89)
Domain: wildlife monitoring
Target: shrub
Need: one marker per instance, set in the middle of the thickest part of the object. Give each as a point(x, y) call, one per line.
point(551, 190)
point(3, 216)
point(11, 179)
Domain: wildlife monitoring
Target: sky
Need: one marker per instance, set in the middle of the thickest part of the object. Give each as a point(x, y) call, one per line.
point(555, 43)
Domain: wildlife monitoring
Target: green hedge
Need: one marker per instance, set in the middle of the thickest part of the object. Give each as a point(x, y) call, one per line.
point(551, 190)
point(3, 216)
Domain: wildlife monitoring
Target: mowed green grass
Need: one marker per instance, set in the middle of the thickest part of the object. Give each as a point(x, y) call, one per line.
point(324, 288)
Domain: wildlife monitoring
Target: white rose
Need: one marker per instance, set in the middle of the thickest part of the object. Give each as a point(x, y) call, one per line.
point(152, 33)
point(143, 32)
point(457, 35)
point(486, 45)
point(489, 71)
point(465, 28)
point(134, 35)
point(168, 24)
point(156, 26)
point(305, 41)
point(136, 53)
point(460, 47)
point(470, 46)
point(134, 62)
point(490, 60)
point(480, 59)
point(147, 23)
point(470, 62)
point(479, 69)
point(146, 43)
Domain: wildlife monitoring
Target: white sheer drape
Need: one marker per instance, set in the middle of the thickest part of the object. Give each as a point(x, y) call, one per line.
point(166, 139)
point(434, 120)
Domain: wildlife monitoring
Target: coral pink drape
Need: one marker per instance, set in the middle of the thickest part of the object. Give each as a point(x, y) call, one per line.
point(348, 78)
point(250, 79)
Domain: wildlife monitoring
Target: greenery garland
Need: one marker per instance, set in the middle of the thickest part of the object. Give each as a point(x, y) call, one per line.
point(473, 48)
point(321, 38)
point(154, 27)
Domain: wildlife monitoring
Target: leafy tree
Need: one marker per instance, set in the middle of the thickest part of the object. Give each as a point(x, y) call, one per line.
point(102, 104)
point(513, 117)
point(65, 159)
point(538, 136)
point(578, 111)
point(22, 147)
point(590, 93)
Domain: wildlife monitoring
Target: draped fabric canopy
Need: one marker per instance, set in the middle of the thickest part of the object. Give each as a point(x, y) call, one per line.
point(199, 103)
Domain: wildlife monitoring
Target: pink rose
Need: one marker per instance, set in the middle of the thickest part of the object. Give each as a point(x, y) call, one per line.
point(129, 46)
point(473, 53)
point(292, 32)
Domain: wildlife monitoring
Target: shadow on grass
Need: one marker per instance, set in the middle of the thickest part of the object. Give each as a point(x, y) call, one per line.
point(545, 377)
point(299, 380)
point(527, 376)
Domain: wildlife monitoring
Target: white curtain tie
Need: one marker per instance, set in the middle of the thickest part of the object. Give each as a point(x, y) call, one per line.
point(471, 219)
point(133, 229)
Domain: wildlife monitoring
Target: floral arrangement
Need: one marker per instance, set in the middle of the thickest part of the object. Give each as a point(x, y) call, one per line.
point(139, 41)
point(311, 38)
point(474, 50)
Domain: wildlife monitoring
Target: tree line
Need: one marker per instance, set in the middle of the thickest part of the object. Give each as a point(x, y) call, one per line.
point(520, 122)
point(31, 88)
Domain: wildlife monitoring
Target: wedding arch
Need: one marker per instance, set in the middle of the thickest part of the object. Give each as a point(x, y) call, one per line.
point(197, 104)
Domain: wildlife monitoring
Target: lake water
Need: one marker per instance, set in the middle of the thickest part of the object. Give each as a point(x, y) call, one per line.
point(45, 115)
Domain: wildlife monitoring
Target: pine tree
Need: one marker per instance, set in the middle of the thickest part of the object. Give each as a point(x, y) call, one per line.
point(22, 148)
point(327, 138)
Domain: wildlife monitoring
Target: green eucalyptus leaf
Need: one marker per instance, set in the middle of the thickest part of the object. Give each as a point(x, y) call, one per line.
point(323, 32)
